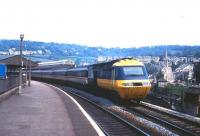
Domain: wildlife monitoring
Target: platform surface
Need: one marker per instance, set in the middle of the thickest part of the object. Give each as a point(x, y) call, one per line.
point(40, 111)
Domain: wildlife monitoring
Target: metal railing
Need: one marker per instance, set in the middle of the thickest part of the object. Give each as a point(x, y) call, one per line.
point(11, 82)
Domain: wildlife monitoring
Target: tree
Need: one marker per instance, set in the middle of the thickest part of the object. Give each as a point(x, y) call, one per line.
point(160, 75)
point(197, 72)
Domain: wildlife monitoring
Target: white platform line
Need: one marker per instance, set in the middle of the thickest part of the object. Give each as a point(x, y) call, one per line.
point(92, 122)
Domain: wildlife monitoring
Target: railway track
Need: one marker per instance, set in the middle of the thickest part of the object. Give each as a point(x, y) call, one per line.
point(111, 124)
point(176, 124)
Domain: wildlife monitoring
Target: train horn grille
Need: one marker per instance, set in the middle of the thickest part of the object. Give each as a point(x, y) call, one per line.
point(137, 84)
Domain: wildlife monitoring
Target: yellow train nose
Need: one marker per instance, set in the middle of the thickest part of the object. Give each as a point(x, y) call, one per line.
point(133, 92)
point(135, 89)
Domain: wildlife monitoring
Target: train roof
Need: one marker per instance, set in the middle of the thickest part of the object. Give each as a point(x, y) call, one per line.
point(128, 62)
point(78, 69)
point(52, 67)
point(119, 62)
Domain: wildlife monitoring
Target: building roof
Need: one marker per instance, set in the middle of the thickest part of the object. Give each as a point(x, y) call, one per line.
point(2, 57)
point(14, 60)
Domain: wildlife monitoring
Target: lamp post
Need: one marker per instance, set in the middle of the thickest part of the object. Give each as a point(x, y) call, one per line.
point(29, 75)
point(26, 70)
point(21, 64)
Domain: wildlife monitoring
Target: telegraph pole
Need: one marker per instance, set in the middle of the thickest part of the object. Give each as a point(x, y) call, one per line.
point(21, 64)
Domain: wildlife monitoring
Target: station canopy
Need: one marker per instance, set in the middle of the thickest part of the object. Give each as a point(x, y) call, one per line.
point(16, 61)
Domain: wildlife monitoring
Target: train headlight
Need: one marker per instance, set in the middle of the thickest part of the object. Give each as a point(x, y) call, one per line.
point(127, 84)
point(146, 84)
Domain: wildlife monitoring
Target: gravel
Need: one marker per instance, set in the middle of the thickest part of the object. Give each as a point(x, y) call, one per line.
point(147, 125)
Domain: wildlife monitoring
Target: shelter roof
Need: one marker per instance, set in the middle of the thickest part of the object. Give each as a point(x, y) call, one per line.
point(15, 60)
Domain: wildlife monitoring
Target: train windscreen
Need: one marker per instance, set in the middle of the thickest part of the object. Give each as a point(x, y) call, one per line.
point(130, 73)
point(133, 71)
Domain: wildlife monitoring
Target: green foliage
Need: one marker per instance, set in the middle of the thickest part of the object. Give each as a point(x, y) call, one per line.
point(160, 75)
point(174, 89)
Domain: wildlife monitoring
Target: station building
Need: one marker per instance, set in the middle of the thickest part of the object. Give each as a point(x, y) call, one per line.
point(13, 63)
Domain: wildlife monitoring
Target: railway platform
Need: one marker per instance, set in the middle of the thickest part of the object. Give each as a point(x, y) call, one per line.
point(41, 111)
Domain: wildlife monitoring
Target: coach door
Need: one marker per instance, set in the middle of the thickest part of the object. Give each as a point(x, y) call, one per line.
point(113, 78)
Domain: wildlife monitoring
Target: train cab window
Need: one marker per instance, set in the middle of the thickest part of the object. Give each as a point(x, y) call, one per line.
point(133, 71)
point(130, 73)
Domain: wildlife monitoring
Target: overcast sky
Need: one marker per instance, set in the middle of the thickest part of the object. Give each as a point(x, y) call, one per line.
point(108, 23)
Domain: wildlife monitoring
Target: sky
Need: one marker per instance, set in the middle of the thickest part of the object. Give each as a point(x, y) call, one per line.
point(107, 23)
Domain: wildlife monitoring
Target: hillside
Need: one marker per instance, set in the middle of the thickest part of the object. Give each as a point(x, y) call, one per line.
point(61, 51)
